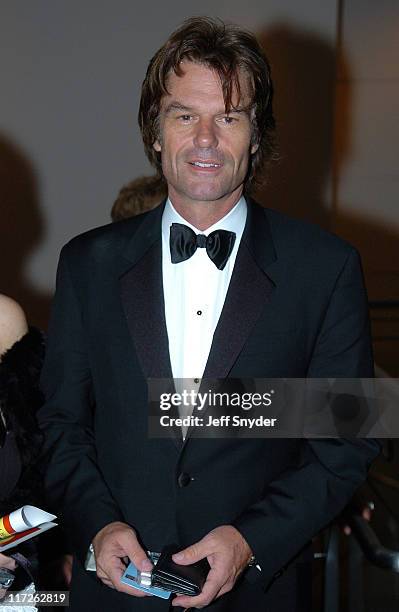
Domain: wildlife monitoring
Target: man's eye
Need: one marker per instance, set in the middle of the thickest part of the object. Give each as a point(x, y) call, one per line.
point(185, 117)
point(228, 120)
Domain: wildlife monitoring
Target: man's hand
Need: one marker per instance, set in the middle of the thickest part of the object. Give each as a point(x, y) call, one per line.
point(112, 545)
point(228, 555)
point(66, 563)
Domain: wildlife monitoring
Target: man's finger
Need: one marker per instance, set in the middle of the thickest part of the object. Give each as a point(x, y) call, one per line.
point(111, 572)
point(115, 575)
point(226, 588)
point(135, 553)
point(192, 553)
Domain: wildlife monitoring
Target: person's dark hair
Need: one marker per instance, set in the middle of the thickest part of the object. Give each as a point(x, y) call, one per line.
point(228, 50)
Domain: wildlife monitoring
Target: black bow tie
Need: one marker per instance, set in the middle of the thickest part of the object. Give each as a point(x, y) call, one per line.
point(184, 242)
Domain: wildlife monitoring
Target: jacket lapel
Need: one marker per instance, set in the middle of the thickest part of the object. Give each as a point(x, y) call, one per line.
point(141, 289)
point(142, 297)
point(143, 304)
point(249, 291)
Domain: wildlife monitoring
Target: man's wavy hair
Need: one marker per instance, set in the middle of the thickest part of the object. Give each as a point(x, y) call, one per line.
point(229, 51)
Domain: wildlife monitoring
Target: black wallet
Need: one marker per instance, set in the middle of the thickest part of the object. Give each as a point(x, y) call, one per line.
point(183, 579)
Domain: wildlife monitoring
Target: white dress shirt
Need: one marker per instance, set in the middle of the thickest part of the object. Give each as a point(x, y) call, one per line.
point(194, 292)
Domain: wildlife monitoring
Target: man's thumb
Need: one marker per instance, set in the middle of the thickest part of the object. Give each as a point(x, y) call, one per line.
point(135, 553)
point(190, 555)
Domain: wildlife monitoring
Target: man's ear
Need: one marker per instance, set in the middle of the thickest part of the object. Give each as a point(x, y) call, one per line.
point(254, 148)
point(157, 146)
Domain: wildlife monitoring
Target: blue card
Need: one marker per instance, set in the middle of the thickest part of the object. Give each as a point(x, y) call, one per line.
point(134, 578)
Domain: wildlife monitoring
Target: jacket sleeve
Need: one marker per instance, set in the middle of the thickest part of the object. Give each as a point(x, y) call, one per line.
point(305, 499)
point(74, 484)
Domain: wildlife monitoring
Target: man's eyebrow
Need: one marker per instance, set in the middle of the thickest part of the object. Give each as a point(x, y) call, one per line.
point(241, 109)
point(177, 106)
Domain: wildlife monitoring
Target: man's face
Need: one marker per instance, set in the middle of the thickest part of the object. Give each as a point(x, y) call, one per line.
point(205, 152)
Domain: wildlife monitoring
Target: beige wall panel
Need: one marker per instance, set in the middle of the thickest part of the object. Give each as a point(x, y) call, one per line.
point(370, 38)
point(366, 152)
point(367, 130)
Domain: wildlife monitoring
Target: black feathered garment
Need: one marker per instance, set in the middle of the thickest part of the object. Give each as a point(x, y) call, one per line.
point(20, 397)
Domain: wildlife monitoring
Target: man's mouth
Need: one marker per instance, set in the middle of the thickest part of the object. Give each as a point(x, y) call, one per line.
point(199, 164)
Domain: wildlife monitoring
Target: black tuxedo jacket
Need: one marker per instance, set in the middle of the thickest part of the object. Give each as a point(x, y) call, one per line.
point(296, 307)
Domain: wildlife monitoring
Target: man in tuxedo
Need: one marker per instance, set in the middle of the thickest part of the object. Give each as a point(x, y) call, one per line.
point(207, 285)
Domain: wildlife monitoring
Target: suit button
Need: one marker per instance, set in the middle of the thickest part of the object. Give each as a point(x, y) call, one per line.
point(184, 479)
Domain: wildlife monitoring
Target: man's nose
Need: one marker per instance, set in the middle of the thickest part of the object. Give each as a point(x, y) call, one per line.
point(205, 134)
